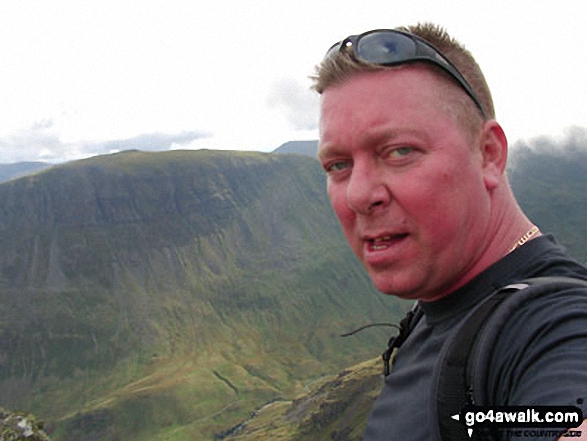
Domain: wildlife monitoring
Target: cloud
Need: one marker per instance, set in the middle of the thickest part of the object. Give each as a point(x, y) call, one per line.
point(40, 142)
point(37, 142)
point(574, 138)
point(148, 141)
point(297, 102)
point(572, 146)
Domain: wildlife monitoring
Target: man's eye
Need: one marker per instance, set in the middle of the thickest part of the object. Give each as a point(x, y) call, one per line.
point(401, 151)
point(337, 166)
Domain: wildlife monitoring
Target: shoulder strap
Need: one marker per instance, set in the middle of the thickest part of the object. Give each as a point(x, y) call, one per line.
point(462, 367)
point(406, 326)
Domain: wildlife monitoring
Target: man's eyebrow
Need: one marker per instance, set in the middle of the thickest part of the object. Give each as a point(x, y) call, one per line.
point(370, 137)
point(379, 135)
point(326, 151)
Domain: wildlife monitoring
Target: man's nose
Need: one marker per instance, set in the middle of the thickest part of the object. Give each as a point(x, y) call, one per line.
point(366, 190)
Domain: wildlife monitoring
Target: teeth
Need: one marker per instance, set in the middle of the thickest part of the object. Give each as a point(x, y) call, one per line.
point(377, 244)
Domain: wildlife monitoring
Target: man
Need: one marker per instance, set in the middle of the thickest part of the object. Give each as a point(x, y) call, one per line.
point(415, 166)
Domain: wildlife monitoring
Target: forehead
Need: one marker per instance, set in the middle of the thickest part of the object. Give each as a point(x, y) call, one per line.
point(410, 96)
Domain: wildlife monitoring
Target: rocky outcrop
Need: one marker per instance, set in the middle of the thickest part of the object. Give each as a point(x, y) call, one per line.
point(20, 427)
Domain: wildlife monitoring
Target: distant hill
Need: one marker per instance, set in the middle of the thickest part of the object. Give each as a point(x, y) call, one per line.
point(550, 184)
point(143, 292)
point(308, 148)
point(18, 169)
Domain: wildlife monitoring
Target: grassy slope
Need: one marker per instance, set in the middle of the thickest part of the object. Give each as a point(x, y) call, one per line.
point(168, 295)
point(336, 407)
point(550, 183)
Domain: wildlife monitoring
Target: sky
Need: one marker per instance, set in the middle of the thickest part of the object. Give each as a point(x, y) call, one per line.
point(81, 78)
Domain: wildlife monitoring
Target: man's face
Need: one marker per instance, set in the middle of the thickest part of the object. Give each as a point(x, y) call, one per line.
point(405, 181)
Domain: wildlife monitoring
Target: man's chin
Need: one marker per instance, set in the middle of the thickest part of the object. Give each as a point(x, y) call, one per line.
point(402, 289)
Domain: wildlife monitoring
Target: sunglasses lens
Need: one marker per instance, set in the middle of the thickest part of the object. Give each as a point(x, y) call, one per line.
point(385, 48)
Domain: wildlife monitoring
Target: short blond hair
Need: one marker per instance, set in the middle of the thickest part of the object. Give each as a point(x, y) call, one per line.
point(340, 67)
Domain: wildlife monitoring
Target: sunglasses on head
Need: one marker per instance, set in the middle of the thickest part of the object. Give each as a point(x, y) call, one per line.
point(388, 47)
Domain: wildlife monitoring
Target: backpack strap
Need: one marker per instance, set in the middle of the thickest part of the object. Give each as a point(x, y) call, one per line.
point(406, 326)
point(461, 371)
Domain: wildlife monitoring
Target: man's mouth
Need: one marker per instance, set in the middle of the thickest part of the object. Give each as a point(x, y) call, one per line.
point(384, 242)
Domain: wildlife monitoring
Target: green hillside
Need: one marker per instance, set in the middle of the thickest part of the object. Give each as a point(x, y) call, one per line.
point(550, 183)
point(335, 408)
point(168, 295)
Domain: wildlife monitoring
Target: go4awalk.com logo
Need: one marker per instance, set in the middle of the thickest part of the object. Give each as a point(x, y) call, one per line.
point(527, 417)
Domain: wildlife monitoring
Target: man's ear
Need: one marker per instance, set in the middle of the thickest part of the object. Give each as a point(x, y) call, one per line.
point(494, 150)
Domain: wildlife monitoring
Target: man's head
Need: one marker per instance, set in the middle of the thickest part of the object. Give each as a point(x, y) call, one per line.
point(413, 168)
point(453, 61)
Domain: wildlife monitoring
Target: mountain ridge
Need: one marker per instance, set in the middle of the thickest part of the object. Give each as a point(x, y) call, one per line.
point(19, 169)
point(220, 273)
point(307, 148)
